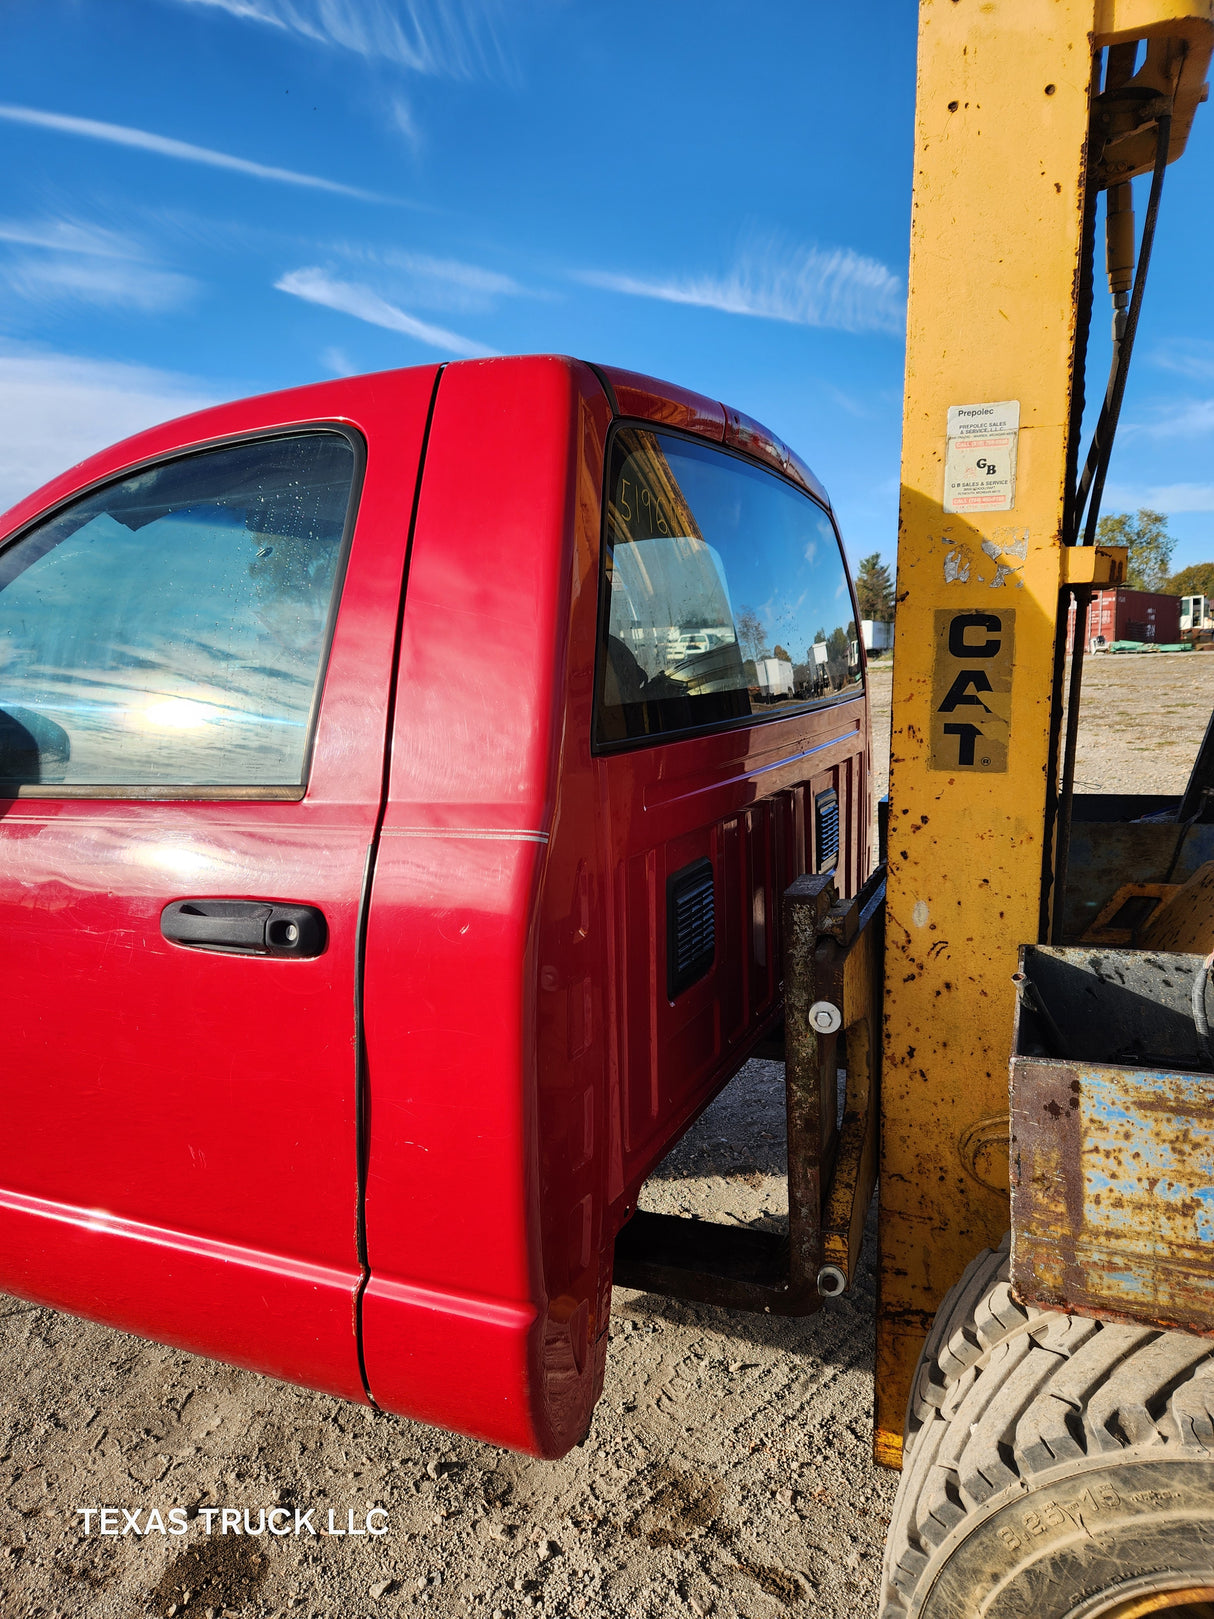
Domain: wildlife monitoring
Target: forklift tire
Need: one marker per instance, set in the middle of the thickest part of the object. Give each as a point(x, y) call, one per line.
point(1054, 1467)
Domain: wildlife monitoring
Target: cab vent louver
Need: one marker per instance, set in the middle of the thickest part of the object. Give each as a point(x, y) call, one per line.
point(826, 822)
point(690, 926)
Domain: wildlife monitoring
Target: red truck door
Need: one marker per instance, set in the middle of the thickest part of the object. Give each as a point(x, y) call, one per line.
point(196, 642)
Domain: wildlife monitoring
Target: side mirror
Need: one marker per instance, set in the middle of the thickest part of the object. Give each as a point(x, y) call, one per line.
point(32, 748)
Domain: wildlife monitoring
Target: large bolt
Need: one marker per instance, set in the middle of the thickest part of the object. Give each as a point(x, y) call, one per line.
point(825, 1017)
point(831, 1282)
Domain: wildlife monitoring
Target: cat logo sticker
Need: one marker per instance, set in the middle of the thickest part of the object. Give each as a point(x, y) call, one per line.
point(972, 690)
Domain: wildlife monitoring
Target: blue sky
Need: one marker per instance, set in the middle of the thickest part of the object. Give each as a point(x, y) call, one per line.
point(209, 198)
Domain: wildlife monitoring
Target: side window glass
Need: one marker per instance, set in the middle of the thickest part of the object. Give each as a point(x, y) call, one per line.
point(170, 629)
point(726, 593)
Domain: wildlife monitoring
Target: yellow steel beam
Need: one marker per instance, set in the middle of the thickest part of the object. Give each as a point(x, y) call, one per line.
point(1116, 21)
point(1094, 565)
point(1002, 119)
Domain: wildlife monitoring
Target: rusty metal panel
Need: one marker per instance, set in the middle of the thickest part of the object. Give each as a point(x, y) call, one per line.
point(1113, 1160)
point(1119, 838)
point(855, 1177)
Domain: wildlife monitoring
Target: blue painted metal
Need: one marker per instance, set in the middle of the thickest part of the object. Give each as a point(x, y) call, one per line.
point(1112, 1162)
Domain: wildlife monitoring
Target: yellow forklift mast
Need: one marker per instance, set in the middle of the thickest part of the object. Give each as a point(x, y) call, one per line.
point(1048, 1390)
point(1026, 111)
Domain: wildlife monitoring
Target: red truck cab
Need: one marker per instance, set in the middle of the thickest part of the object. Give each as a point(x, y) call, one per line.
point(399, 778)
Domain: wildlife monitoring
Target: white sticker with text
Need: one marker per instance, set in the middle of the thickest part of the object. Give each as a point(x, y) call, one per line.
point(980, 463)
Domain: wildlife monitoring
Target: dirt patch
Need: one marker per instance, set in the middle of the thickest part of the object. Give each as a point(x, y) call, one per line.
point(681, 1507)
point(1142, 720)
point(226, 1572)
point(728, 1460)
point(777, 1582)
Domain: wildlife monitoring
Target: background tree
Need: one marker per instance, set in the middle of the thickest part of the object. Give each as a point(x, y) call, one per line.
point(837, 652)
point(1197, 580)
point(875, 590)
point(1150, 544)
point(752, 636)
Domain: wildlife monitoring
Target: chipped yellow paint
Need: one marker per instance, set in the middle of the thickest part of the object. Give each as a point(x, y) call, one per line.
point(1000, 152)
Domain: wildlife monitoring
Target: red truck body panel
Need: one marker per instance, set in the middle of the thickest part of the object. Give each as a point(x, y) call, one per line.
point(420, 1200)
point(178, 1156)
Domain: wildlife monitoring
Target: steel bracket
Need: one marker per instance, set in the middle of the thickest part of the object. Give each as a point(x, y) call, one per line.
point(1094, 564)
point(832, 964)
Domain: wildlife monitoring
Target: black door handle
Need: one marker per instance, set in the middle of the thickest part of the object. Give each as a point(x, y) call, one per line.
point(254, 927)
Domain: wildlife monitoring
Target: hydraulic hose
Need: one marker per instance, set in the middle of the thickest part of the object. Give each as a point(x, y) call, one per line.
point(1091, 483)
point(1097, 464)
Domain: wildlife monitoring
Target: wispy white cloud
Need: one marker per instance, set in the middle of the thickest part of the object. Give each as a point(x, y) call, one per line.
point(69, 236)
point(805, 286)
point(65, 260)
point(1194, 357)
point(400, 115)
point(352, 298)
point(145, 141)
point(107, 282)
point(1185, 418)
point(432, 283)
point(1168, 497)
point(338, 362)
point(247, 9)
point(56, 408)
point(860, 408)
point(459, 39)
point(188, 230)
point(472, 278)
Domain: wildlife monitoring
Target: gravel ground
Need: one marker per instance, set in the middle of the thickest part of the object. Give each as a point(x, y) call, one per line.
point(727, 1471)
point(1143, 718)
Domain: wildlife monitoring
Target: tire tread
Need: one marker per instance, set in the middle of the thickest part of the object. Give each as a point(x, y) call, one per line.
point(1004, 1391)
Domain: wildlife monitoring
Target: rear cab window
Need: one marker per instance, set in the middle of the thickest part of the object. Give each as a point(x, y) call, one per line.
point(725, 598)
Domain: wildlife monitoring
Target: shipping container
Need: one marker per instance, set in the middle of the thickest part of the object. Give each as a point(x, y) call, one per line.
point(1128, 615)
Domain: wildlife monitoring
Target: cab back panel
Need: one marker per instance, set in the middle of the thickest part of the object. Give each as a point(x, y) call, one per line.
point(530, 1054)
point(741, 803)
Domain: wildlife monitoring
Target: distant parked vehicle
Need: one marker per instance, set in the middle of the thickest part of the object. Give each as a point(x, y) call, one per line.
point(1195, 617)
point(774, 677)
